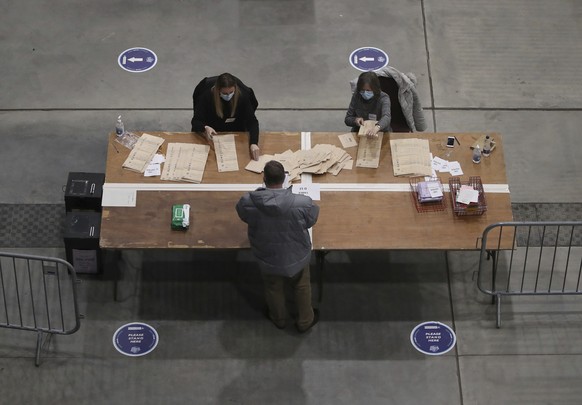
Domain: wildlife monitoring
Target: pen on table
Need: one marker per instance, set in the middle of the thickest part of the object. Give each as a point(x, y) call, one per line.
point(457, 139)
point(114, 147)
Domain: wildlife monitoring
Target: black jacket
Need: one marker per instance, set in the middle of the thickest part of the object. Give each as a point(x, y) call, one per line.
point(244, 119)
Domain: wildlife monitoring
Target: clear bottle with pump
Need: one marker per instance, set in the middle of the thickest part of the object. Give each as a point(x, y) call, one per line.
point(487, 146)
point(119, 127)
point(477, 154)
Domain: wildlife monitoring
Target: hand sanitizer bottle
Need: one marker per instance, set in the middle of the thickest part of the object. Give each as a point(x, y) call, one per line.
point(119, 128)
point(477, 154)
point(487, 146)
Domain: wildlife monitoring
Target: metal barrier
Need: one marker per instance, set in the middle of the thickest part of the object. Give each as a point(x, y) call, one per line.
point(545, 259)
point(38, 294)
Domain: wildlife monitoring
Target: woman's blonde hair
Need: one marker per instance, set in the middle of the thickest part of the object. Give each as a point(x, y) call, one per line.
point(223, 81)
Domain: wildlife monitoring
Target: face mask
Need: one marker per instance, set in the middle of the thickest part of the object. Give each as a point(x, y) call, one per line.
point(367, 94)
point(226, 97)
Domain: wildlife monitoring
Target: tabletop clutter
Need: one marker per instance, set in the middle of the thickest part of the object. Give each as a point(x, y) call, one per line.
point(411, 157)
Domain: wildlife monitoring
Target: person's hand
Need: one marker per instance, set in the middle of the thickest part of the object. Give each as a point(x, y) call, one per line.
point(373, 133)
point(359, 121)
point(255, 151)
point(209, 132)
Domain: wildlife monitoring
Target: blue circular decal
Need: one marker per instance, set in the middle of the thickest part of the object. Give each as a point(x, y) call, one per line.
point(137, 60)
point(135, 339)
point(366, 59)
point(433, 338)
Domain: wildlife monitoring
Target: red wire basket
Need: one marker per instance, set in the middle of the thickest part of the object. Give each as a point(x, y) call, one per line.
point(460, 209)
point(432, 206)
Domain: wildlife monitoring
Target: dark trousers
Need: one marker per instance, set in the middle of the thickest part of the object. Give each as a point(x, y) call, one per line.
point(275, 297)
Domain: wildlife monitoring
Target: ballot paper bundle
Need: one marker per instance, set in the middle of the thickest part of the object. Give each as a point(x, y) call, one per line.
point(367, 127)
point(411, 157)
point(185, 162)
point(320, 159)
point(142, 153)
point(429, 191)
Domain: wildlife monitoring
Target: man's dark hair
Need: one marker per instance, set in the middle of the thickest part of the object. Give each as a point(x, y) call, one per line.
point(274, 173)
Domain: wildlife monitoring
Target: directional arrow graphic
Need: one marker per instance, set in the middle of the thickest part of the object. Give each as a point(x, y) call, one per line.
point(136, 60)
point(368, 59)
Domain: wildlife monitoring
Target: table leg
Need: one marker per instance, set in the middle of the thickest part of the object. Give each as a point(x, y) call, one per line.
point(130, 263)
point(320, 260)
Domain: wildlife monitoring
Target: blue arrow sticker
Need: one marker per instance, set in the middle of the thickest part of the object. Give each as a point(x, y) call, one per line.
point(135, 339)
point(433, 338)
point(137, 60)
point(366, 59)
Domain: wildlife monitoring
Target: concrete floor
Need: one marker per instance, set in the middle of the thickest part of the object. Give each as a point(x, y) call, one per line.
point(492, 65)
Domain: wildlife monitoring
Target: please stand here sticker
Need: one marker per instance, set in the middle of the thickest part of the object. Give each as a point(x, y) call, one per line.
point(433, 338)
point(135, 339)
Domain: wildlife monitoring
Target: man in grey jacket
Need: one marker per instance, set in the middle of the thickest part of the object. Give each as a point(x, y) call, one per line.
point(278, 223)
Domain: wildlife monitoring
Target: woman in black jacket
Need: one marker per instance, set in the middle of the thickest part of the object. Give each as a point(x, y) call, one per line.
point(226, 105)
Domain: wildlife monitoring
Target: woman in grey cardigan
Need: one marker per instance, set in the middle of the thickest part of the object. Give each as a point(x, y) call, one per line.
point(407, 96)
point(369, 102)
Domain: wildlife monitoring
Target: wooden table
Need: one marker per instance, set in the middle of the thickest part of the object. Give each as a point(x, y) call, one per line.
point(390, 220)
point(348, 219)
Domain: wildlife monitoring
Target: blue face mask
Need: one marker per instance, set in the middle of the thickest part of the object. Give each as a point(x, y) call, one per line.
point(226, 97)
point(367, 94)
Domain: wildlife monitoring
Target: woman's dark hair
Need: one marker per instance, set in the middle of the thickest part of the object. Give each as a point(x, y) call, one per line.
point(274, 173)
point(369, 78)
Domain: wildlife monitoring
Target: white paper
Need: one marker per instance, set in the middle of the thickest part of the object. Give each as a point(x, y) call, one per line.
point(310, 190)
point(434, 188)
point(455, 168)
point(158, 158)
point(467, 195)
point(119, 197)
point(437, 163)
point(153, 170)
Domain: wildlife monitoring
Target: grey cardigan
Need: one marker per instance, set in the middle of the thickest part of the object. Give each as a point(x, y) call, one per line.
point(361, 108)
point(407, 95)
point(278, 223)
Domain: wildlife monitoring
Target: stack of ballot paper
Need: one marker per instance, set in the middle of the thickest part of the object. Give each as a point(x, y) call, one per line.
point(429, 191)
point(142, 153)
point(368, 126)
point(320, 159)
point(225, 151)
point(369, 150)
point(185, 162)
point(467, 195)
point(411, 157)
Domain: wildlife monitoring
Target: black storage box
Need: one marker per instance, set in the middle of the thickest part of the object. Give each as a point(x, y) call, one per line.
point(84, 191)
point(81, 234)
